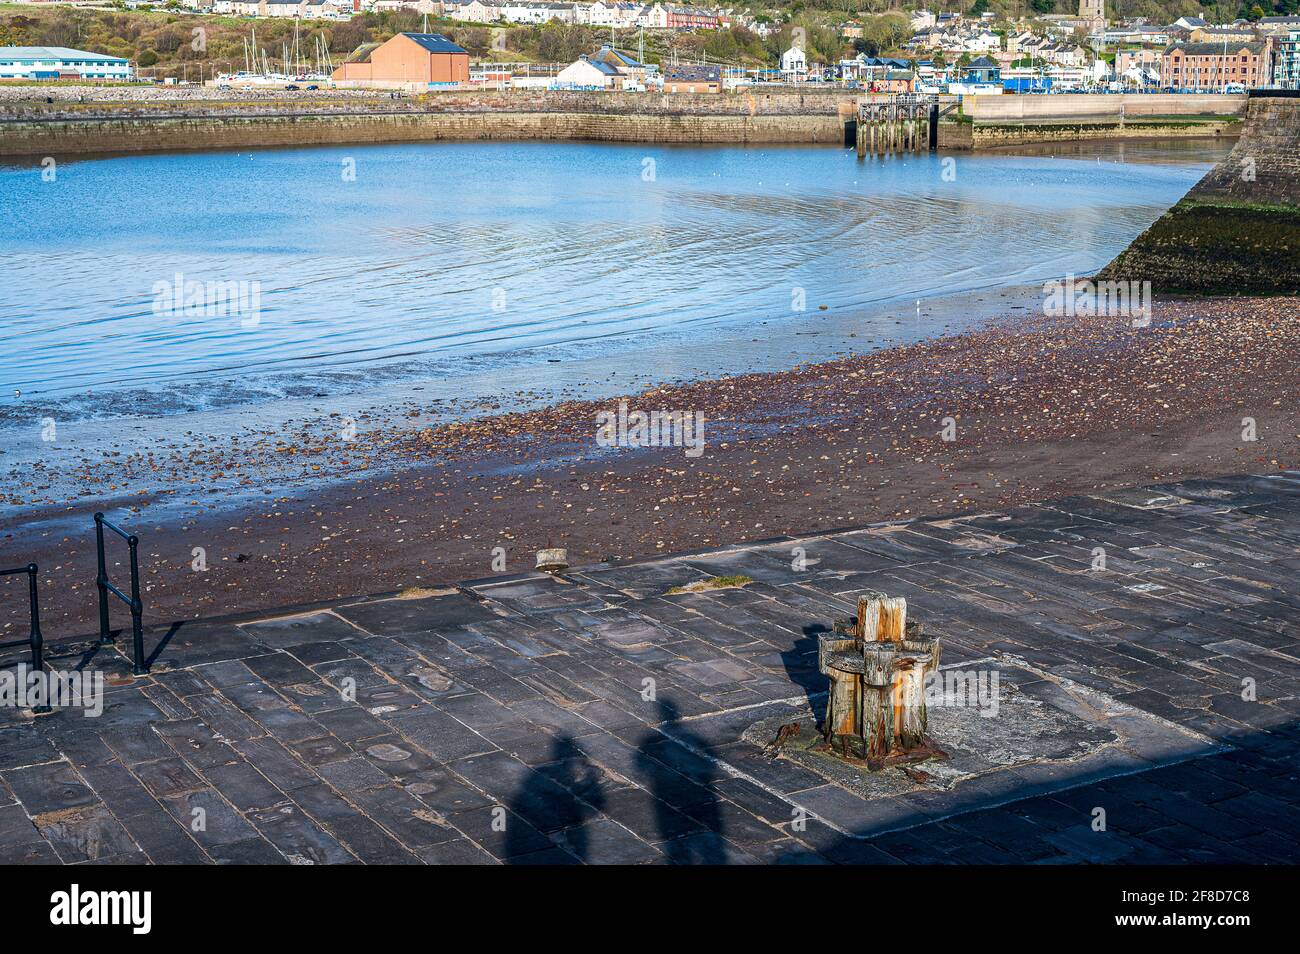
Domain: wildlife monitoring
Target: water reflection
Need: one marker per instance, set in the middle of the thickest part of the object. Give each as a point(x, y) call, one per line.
point(437, 254)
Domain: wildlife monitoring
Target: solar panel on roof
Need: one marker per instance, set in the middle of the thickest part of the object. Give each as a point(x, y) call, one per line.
point(435, 42)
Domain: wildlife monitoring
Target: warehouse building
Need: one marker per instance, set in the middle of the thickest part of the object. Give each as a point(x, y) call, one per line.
point(408, 58)
point(59, 62)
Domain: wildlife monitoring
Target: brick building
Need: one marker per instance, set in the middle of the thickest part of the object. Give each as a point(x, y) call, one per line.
point(693, 79)
point(409, 58)
point(691, 18)
point(1211, 66)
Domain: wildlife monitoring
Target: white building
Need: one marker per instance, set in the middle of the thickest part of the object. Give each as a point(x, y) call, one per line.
point(599, 14)
point(983, 41)
point(585, 74)
point(538, 12)
point(59, 62)
point(922, 20)
point(477, 11)
point(289, 9)
point(794, 64)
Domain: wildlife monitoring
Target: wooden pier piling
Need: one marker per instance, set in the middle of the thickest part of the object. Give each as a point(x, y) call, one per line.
point(895, 124)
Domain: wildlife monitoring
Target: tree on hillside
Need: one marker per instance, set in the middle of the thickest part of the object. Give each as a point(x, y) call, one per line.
point(882, 34)
point(347, 36)
point(550, 47)
point(167, 40)
point(476, 39)
point(61, 32)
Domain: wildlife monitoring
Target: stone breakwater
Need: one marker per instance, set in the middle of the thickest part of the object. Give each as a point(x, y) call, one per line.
point(48, 120)
point(123, 121)
point(989, 122)
point(64, 102)
point(1238, 230)
point(61, 137)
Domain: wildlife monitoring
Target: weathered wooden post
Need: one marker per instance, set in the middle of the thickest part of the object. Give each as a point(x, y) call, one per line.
point(878, 664)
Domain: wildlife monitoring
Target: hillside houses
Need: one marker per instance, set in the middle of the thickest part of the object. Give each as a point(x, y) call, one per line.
point(288, 9)
point(956, 38)
point(1060, 53)
point(655, 16)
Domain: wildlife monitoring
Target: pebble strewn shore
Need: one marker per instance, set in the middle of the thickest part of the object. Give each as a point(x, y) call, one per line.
point(1036, 409)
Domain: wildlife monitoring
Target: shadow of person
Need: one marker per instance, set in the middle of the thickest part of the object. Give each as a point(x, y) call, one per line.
point(800, 662)
point(569, 768)
point(701, 848)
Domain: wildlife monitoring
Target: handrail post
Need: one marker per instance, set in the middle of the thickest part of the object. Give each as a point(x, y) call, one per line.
point(101, 581)
point(38, 642)
point(137, 610)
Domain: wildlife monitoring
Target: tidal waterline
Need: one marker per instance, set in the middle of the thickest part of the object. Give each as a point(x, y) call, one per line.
point(396, 262)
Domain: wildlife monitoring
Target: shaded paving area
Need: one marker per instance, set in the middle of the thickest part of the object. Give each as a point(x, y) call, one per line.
point(600, 717)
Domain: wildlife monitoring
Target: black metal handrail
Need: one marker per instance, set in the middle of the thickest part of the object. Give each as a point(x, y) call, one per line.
point(34, 639)
point(140, 664)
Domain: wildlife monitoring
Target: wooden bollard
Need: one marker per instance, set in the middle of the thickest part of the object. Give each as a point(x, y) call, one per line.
point(877, 665)
point(881, 617)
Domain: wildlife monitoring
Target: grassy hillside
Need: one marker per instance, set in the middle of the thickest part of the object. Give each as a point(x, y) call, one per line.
point(165, 43)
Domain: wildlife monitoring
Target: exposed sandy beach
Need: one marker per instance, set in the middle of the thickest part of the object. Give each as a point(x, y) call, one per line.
point(1041, 408)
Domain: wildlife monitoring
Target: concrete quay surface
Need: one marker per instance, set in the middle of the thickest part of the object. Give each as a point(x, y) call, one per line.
point(601, 717)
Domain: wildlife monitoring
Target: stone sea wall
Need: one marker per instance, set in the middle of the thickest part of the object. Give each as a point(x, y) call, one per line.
point(989, 122)
point(1238, 230)
point(62, 120)
point(994, 135)
point(137, 134)
point(88, 121)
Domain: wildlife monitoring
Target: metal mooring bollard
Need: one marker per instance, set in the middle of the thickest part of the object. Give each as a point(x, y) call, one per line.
point(878, 664)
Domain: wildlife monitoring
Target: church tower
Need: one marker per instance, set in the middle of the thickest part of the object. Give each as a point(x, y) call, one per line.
point(1093, 12)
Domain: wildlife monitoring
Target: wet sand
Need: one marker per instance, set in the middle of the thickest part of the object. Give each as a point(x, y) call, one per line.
point(1041, 408)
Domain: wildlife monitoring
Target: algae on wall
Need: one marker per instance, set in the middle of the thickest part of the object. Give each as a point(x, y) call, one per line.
point(1207, 248)
point(1237, 232)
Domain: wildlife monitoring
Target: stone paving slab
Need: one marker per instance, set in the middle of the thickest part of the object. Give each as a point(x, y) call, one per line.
point(602, 717)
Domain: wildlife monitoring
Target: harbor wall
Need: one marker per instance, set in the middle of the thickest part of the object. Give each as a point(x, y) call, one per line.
point(1112, 107)
point(1237, 232)
point(48, 120)
point(67, 136)
point(89, 121)
point(995, 135)
point(990, 122)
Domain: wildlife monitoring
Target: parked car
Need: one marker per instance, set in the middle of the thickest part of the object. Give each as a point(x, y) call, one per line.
point(313, 86)
point(291, 86)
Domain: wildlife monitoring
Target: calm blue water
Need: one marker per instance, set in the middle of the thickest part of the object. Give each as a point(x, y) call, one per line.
point(517, 253)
